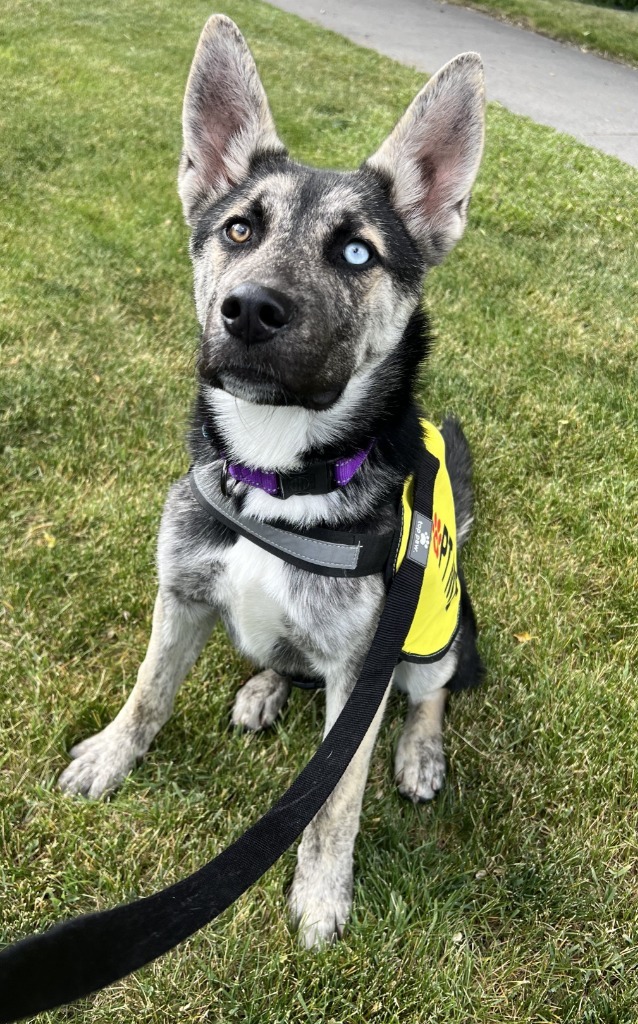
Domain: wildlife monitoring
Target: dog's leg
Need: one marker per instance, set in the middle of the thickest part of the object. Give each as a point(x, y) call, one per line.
point(180, 630)
point(260, 700)
point(419, 764)
point(321, 894)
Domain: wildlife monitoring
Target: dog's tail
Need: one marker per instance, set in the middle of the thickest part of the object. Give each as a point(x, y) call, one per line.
point(459, 464)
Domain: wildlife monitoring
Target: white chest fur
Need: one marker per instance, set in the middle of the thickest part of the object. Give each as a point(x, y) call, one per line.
point(264, 602)
point(252, 592)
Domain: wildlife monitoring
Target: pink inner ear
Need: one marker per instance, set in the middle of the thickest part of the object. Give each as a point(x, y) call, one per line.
point(443, 167)
point(221, 108)
point(214, 139)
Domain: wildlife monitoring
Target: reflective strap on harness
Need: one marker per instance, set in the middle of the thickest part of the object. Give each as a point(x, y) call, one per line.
point(327, 552)
point(87, 953)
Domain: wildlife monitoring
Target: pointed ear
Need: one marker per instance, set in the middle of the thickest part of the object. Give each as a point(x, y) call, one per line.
point(432, 156)
point(226, 119)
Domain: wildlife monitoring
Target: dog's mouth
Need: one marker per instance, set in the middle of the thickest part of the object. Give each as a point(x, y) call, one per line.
point(263, 388)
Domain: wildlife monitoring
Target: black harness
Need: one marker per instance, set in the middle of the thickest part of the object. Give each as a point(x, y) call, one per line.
point(87, 953)
point(325, 552)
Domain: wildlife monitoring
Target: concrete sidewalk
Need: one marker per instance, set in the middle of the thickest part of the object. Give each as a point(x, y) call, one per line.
point(593, 99)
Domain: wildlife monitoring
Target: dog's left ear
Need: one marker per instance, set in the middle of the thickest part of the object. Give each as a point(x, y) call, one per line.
point(226, 118)
point(432, 156)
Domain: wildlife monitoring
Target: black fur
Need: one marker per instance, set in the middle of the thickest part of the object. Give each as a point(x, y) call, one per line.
point(459, 463)
point(470, 670)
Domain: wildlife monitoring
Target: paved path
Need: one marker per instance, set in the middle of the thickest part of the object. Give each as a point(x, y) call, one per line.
point(591, 98)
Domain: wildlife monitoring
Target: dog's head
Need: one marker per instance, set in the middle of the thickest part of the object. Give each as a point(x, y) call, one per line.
point(305, 280)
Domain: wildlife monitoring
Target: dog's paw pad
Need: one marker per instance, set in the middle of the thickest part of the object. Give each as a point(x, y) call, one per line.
point(420, 769)
point(260, 700)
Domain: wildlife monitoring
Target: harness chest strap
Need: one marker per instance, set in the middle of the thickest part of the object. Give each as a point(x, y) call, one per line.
point(87, 953)
point(327, 552)
point(335, 553)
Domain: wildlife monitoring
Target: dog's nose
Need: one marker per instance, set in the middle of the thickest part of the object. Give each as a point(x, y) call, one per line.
point(255, 313)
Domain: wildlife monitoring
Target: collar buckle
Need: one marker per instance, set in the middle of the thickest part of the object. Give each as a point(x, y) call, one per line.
point(316, 479)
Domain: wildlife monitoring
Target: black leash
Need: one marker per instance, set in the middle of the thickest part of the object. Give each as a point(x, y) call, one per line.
point(87, 953)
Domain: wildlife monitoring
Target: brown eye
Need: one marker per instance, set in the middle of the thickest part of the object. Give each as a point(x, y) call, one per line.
point(239, 231)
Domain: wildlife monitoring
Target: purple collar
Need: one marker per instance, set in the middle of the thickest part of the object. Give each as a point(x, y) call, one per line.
point(317, 478)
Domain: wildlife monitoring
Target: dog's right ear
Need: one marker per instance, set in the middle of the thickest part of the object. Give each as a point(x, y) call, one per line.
point(226, 118)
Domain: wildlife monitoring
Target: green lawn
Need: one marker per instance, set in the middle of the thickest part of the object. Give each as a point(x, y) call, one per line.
point(606, 30)
point(514, 897)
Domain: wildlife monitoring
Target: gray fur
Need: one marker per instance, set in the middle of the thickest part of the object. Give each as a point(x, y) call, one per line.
point(260, 700)
point(419, 763)
point(342, 370)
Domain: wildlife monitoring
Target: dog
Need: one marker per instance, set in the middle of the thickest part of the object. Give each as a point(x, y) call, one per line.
point(307, 290)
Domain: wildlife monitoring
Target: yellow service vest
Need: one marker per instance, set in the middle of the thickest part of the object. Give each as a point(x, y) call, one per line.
point(436, 619)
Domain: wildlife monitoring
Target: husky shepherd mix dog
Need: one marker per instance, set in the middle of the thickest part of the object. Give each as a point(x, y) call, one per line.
point(307, 287)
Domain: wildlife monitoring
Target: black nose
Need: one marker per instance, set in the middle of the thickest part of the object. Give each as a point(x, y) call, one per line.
point(255, 313)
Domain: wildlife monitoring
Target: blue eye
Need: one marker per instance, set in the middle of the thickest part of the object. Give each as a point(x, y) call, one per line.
point(356, 253)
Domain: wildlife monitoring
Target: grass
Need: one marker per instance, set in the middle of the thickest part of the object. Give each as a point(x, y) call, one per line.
point(605, 30)
point(514, 897)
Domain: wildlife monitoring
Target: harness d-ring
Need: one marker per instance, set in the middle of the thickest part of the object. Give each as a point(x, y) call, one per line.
point(223, 479)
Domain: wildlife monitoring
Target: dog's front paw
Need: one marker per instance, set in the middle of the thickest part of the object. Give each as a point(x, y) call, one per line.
point(99, 764)
point(260, 700)
point(319, 909)
point(419, 767)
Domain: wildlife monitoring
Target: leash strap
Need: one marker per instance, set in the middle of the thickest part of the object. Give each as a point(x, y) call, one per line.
point(87, 953)
point(327, 552)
